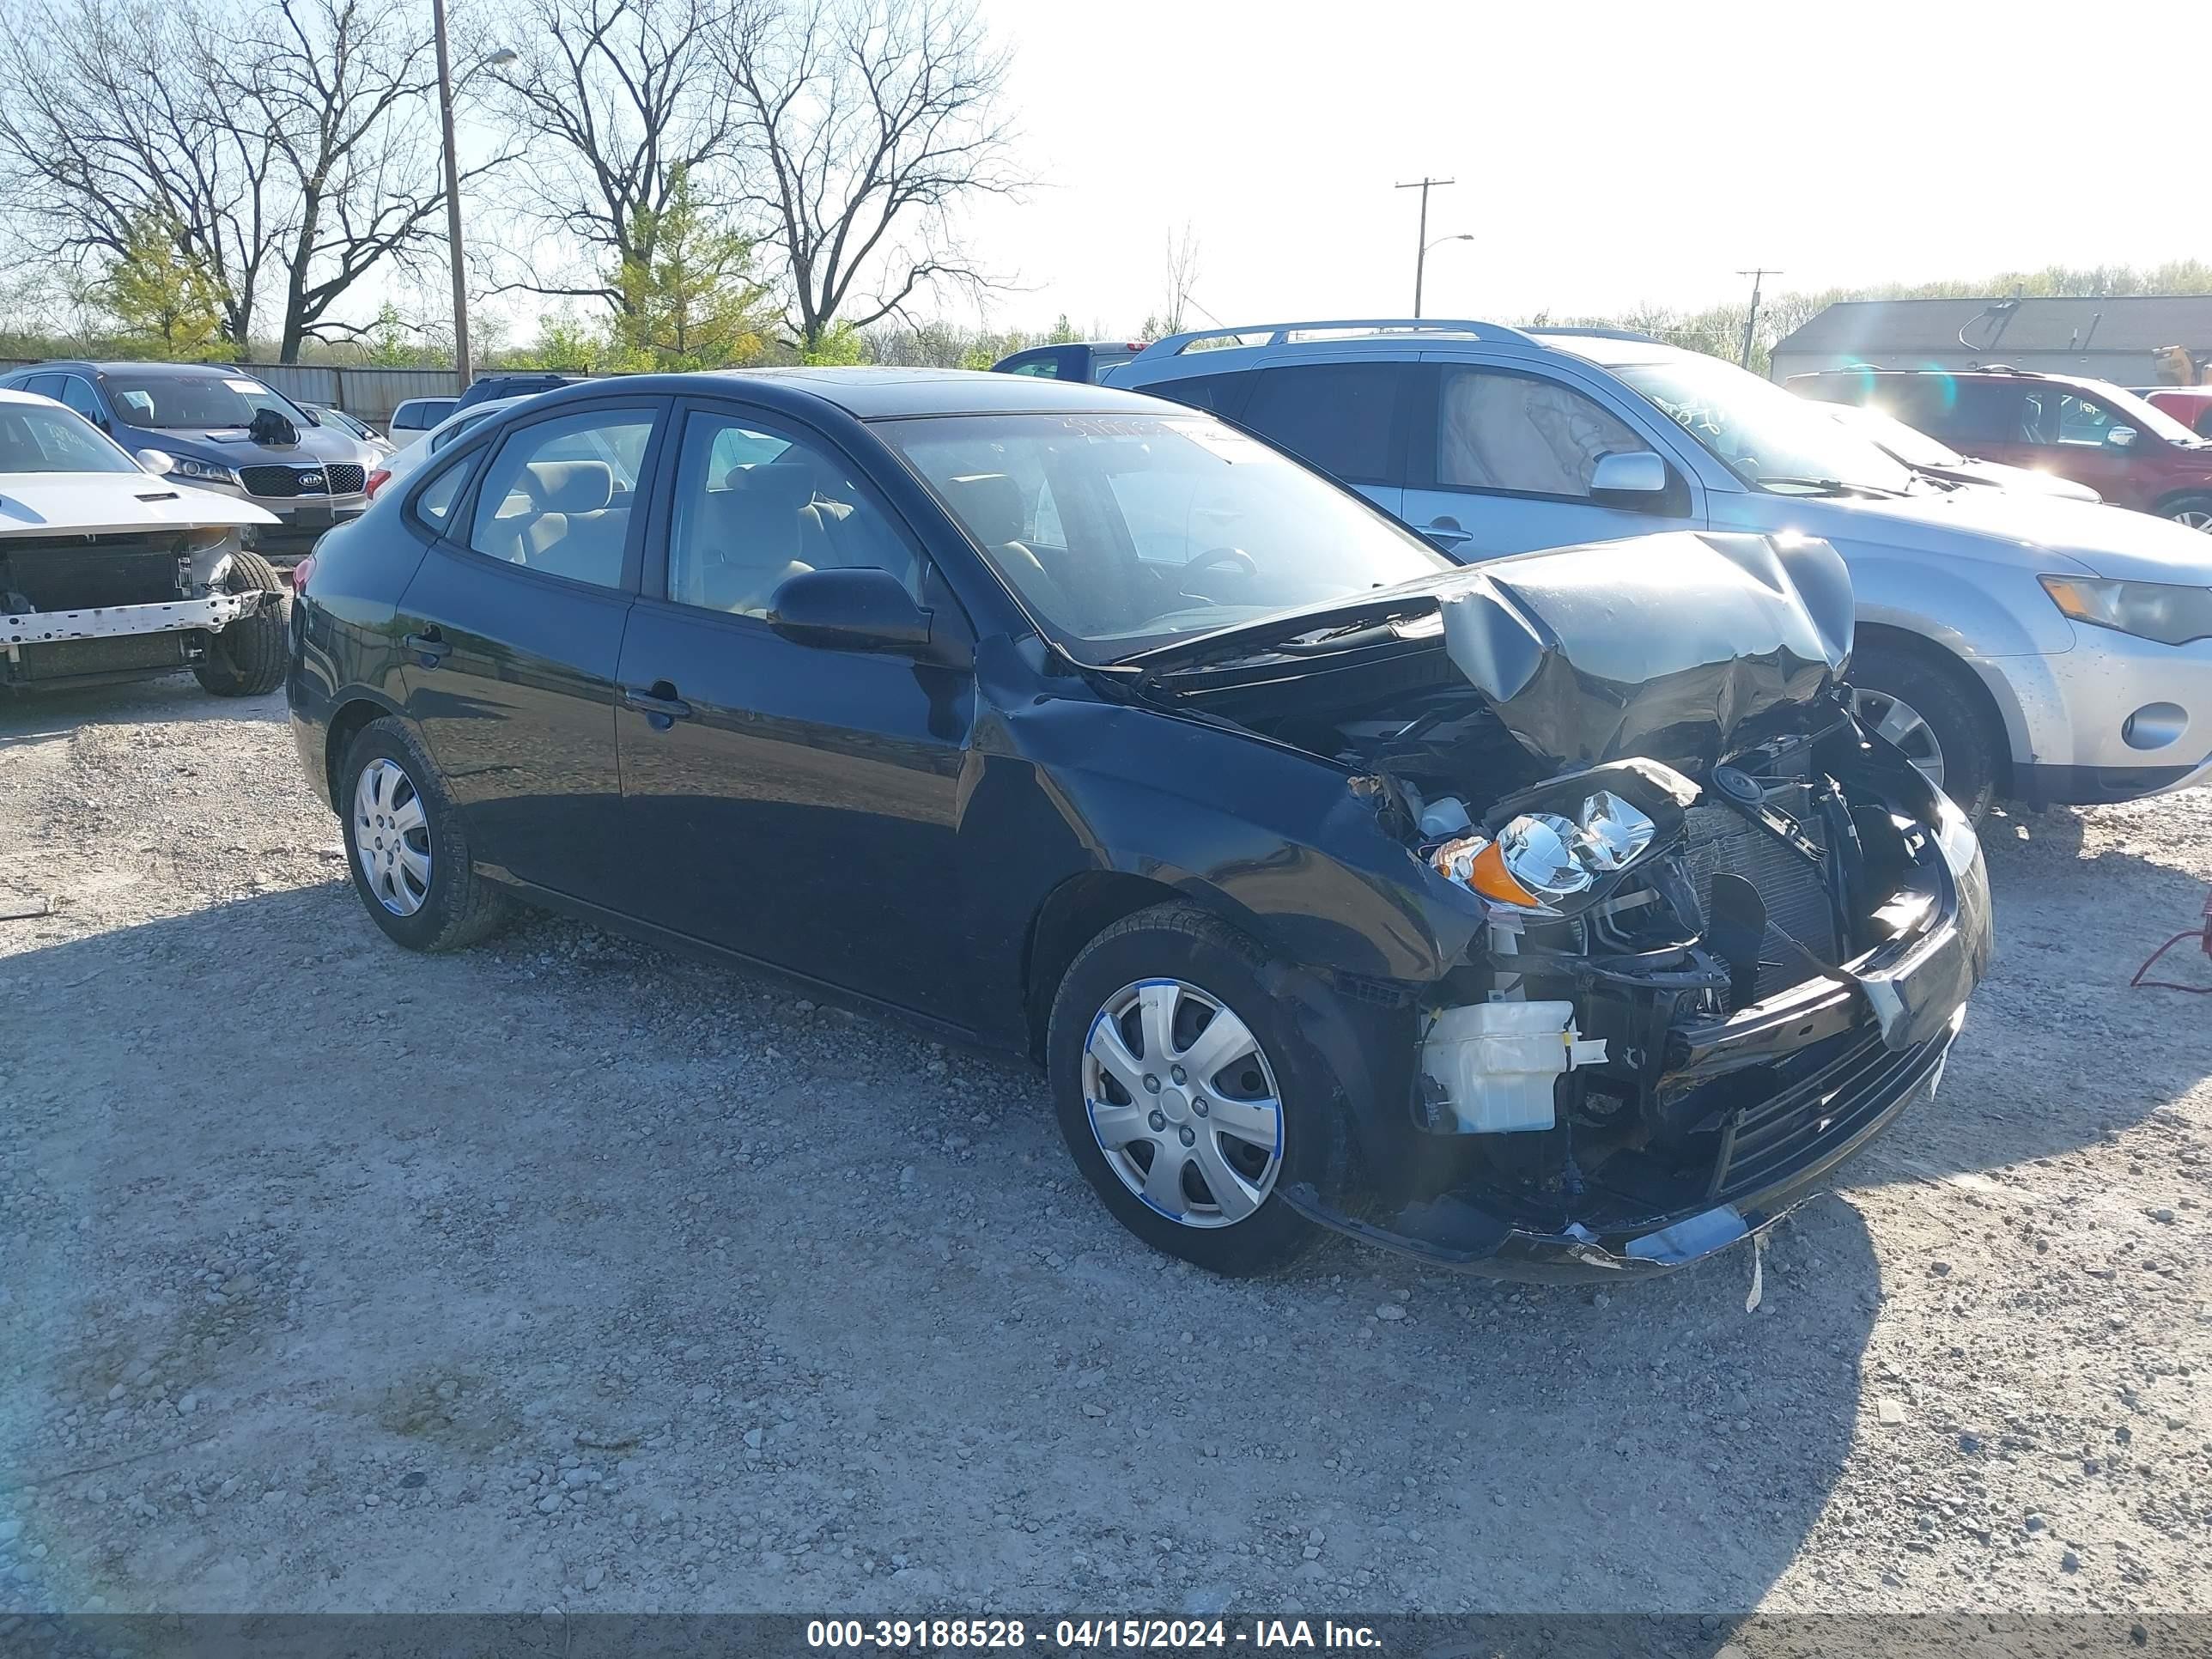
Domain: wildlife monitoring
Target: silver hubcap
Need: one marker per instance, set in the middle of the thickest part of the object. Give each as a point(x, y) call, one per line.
point(1183, 1103)
point(1900, 722)
point(2196, 518)
point(391, 837)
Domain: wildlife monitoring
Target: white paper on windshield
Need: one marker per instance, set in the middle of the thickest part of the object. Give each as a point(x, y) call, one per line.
point(251, 388)
point(1229, 446)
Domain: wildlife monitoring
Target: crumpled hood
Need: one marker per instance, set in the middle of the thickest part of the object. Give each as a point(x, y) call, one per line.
point(1676, 647)
point(2027, 531)
point(91, 503)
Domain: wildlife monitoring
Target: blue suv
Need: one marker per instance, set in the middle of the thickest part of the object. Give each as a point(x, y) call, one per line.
point(219, 428)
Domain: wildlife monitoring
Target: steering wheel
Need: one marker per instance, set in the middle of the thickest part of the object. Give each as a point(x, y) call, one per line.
point(1227, 555)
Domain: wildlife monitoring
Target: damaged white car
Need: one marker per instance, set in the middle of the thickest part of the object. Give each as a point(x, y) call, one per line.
point(108, 573)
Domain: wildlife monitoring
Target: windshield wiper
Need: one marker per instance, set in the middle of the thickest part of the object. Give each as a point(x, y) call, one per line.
point(1830, 487)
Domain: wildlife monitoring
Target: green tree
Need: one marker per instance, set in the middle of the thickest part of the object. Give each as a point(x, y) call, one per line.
point(835, 346)
point(689, 296)
point(163, 296)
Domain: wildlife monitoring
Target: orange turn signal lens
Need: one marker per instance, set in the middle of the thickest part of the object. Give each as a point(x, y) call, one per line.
point(1489, 876)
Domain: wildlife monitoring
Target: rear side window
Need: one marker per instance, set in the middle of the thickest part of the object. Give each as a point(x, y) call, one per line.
point(557, 496)
point(1218, 392)
point(45, 386)
point(1335, 416)
point(434, 502)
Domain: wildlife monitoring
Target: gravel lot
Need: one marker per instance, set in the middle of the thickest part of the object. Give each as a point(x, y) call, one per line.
point(566, 1272)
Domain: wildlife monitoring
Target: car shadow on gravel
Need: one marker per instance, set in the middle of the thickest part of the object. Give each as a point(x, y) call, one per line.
point(2059, 1053)
point(818, 1306)
point(31, 717)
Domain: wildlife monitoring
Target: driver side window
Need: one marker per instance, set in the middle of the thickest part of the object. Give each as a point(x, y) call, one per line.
point(755, 507)
point(1521, 435)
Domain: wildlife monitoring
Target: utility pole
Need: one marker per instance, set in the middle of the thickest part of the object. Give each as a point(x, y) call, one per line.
point(461, 364)
point(1421, 243)
point(1751, 322)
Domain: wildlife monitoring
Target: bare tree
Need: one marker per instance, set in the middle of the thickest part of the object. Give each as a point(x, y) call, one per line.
point(613, 103)
point(114, 119)
point(286, 146)
point(340, 89)
point(866, 122)
point(1182, 276)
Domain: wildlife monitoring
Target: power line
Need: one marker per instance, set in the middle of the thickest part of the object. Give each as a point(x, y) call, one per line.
point(1421, 243)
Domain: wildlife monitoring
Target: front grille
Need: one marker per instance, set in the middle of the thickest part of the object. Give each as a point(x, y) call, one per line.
point(283, 482)
point(1798, 908)
point(1821, 1116)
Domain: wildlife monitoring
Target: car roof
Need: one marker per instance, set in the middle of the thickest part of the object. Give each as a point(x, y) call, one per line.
point(156, 371)
point(871, 394)
point(9, 395)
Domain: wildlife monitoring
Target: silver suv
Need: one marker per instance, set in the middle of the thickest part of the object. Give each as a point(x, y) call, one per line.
point(2046, 650)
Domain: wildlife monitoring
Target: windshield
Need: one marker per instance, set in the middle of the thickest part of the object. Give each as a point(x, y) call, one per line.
point(1767, 437)
point(1908, 443)
point(175, 401)
point(1121, 533)
point(35, 439)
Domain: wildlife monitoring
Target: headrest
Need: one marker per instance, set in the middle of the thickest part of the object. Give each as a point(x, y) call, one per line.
point(780, 486)
point(570, 486)
point(991, 505)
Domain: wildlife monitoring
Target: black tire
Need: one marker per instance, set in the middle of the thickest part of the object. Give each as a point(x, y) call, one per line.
point(2183, 509)
point(1941, 693)
point(248, 658)
point(459, 907)
point(1177, 941)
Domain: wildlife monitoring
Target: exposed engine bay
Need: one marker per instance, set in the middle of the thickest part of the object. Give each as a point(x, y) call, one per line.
point(1727, 934)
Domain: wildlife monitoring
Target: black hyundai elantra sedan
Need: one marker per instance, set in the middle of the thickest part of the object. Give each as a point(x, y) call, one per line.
point(1546, 917)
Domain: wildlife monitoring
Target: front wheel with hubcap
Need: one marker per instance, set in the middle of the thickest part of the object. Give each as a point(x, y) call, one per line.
point(2193, 511)
point(1925, 709)
point(1186, 1095)
point(406, 846)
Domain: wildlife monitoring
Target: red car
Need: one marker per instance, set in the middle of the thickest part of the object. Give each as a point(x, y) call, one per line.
point(2129, 452)
point(2191, 406)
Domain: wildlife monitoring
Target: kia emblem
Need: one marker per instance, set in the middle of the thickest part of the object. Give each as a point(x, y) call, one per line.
point(311, 481)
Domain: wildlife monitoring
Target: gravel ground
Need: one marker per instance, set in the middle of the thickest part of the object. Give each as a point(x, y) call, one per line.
point(566, 1272)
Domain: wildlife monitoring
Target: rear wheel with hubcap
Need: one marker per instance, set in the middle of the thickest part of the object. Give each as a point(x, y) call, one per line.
point(406, 846)
point(1187, 1096)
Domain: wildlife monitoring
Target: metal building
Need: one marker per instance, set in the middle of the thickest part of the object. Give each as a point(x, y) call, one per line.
point(2116, 338)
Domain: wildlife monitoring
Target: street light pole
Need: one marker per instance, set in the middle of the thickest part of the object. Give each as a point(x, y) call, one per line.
point(463, 369)
point(1421, 240)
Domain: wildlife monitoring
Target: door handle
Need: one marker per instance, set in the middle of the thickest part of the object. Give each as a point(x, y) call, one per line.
point(657, 702)
point(429, 647)
point(1446, 532)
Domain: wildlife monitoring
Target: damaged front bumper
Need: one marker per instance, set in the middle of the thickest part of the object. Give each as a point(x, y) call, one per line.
point(210, 615)
point(1762, 1105)
point(1779, 1156)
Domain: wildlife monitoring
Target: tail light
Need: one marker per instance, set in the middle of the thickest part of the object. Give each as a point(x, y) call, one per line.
point(301, 572)
point(377, 477)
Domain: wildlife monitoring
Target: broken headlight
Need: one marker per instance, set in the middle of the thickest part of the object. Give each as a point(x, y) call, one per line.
point(1539, 859)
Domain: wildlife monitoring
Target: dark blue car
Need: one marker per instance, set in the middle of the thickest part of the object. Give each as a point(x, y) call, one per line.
point(1550, 917)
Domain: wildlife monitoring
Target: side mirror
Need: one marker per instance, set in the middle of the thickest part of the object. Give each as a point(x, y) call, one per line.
point(864, 609)
point(156, 461)
point(2120, 437)
point(1637, 481)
